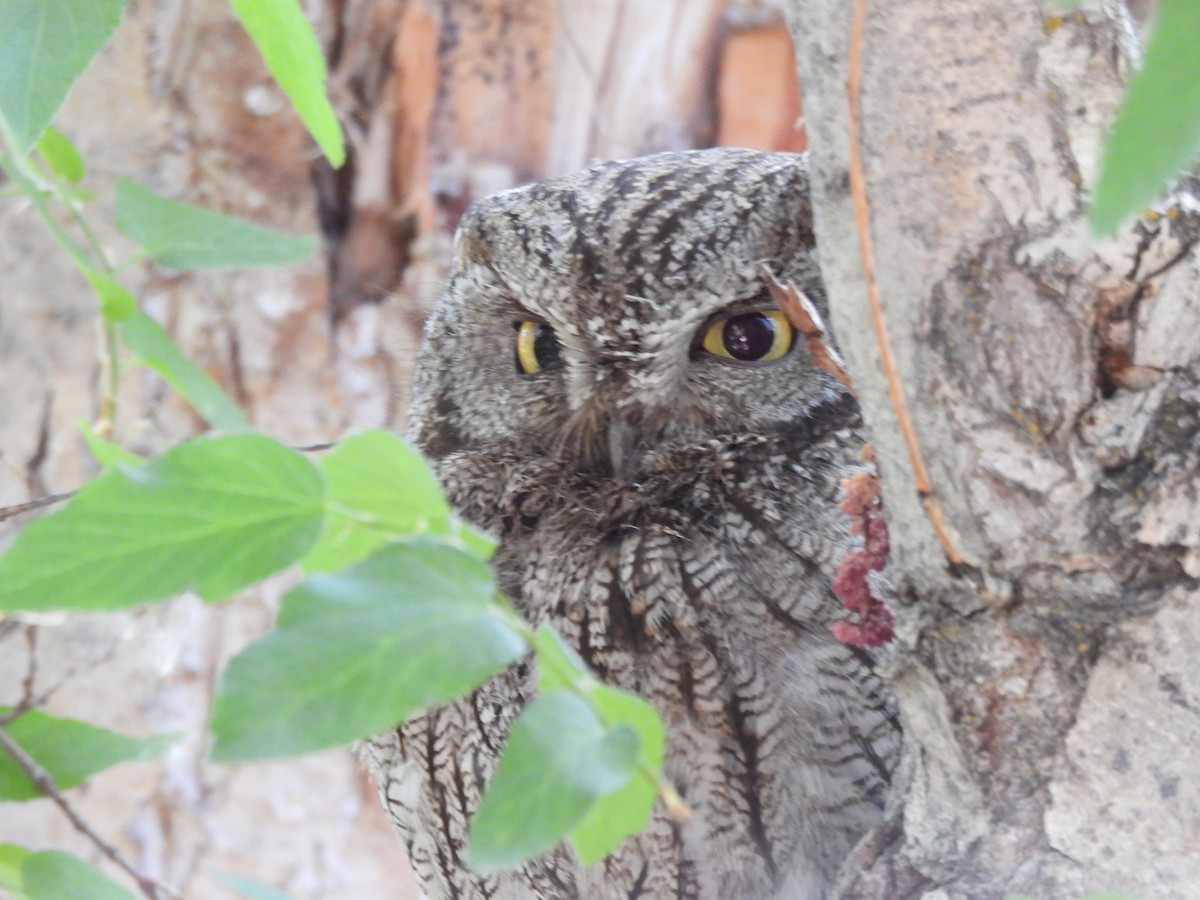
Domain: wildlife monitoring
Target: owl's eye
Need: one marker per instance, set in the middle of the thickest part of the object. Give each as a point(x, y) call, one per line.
point(537, 347)
point(750, 337)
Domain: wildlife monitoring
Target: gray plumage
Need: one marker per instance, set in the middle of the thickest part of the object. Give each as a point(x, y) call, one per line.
point(672, 512)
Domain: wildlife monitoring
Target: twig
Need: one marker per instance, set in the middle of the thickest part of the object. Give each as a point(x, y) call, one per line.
point(30, 680)
point(679, 808)
point(28, 700)
point(862, 221)
point(41, 779)
point(7, 512)
point(805, 318)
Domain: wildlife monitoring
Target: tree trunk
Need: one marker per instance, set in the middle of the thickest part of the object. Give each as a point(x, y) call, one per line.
point(1034, 399)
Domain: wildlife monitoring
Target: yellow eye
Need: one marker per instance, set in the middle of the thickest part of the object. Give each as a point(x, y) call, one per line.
point(537, 347)
point(750, 337)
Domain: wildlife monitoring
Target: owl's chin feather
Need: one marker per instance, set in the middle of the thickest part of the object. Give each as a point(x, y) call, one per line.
point(510, 486)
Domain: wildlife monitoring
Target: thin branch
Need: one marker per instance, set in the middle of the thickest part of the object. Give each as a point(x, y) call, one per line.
point(41, 779)
point(29, 682)
point(7, 512)
point(29, 698)
point(862, 221)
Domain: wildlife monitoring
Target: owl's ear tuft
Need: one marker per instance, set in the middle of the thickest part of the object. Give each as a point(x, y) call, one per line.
point(472, 242)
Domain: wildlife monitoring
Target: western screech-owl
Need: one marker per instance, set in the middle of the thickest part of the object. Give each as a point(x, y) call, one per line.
point(607, 386)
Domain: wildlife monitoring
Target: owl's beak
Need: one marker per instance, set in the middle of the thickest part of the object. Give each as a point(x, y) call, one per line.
point(611, 440)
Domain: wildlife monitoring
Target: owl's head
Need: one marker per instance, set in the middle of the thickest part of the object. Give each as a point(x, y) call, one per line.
point(595, 317)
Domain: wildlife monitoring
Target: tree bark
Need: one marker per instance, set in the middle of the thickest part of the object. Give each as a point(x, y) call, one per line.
point(1034, 399)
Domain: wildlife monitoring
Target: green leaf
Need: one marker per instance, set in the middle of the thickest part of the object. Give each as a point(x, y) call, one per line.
point(108, 454)
point(184, 236)
point(559, 666)
point(289, 47)
point(378, 489)
point(251, 888)
point(626, 811)
point(357, 650)
point(212, 516)
point(559, 760)
point(61, 155)
point(1157, 131)
point(116, 303)
point(44, 46)
point(12, 858)
point(50, 875)
point(155, 349)
point(474, 540)
point(69, 750)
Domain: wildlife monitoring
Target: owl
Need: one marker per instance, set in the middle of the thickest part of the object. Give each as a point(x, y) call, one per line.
point(607, 386)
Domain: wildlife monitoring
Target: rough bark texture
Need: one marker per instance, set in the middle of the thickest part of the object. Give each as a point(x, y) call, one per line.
point(443, 102)
point(1046, 642)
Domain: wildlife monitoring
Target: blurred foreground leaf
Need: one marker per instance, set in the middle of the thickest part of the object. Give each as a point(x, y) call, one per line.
point(61, 155)
point(559, 760)
point(357, 650)
point(154, 348)
point(50, 875)
point(69, 750)
point(626, 811)
point(1157, 131)
point(184, 236)
point(212, 515)
point(44, 46)
point(379, 488)
point(290, 49)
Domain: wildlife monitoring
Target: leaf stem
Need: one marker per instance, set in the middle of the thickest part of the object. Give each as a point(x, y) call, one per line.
point(36, 187)
point(150, 887)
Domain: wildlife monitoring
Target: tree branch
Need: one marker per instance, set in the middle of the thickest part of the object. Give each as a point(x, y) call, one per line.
point(862, 222)
point(153, 889)
point(7, 512)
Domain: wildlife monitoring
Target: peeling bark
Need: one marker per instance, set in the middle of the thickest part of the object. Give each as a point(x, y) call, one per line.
point(1051, 383)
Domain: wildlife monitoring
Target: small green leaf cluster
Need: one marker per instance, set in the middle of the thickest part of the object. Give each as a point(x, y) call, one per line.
point(398, 611)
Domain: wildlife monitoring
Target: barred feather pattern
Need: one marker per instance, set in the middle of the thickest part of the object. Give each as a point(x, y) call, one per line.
point(674, 516)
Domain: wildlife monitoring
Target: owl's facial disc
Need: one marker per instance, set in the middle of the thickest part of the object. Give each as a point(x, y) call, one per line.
point(621, 398)
point(605, 318)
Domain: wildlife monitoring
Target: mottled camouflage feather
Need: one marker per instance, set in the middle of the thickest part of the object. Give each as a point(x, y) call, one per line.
point(674, 514)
